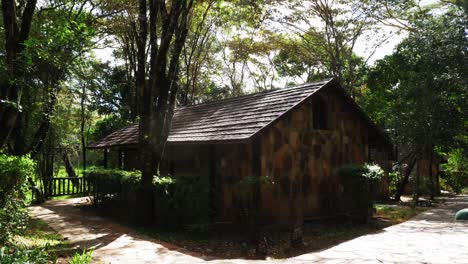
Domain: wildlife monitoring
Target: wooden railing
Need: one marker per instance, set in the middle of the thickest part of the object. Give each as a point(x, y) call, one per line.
point(68, 186)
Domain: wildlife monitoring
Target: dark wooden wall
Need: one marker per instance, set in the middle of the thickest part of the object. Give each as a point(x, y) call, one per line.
point(299, 158)
point(303, 160)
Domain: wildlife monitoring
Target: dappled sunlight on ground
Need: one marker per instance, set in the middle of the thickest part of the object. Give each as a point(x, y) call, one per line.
point(431, 237)
point(111, 242)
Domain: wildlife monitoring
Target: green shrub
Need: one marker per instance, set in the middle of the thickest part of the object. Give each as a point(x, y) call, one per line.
point(107, 183)
point(394, 180)
point(372, 172)
point(180, 200)
point(13, 174)
point(360, 184)
point(83, 258)
point(177, 200)
point(456, 170)
point(9, 255)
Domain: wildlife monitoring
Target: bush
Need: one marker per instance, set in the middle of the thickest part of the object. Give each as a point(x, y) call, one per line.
point(9, 255)
point(83, 258)
point(360, 184)
point(177, 200)
point(247, 199)
point(394, 180)
point(180, 200)
point(456, 170)
point(14, 172)
point(107, 183)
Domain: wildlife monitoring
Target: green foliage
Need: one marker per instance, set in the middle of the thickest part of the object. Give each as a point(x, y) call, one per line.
point(178, 200)
point(83, 258)
point(181, 200)
point(110, 181)
point(396, 214)
point(13, 174)
point(110, 176)
point(456, 170)
point(106, 126)
point(10, 255)
point(371, 172)
point(360, 184)
point(420, 90)
point(394, 178)
point(252, 181)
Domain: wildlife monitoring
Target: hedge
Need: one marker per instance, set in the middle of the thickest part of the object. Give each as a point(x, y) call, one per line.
point(177, 200)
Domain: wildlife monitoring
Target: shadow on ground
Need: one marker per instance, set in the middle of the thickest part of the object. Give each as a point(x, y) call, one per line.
point(420, 239)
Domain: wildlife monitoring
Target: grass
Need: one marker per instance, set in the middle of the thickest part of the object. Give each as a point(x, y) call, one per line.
point(82, 258)
point(396, 214)
point(39, 236)
point(61, 173)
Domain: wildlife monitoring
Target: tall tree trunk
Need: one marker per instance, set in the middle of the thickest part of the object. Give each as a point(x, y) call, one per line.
point(157, 93)
point(10, 90)
point(416, 187)
point(43, 130)
point(82, 127)
point(401, 187)
point(431, 177)
point(46, 166)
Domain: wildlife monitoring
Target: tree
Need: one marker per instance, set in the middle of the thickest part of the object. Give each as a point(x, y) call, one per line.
point(158, 83)
point(58, 34)
point(456, 169)
point(425, 81)
point(327, 32)
point(14, 65)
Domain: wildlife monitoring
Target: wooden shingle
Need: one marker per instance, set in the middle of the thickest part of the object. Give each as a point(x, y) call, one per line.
point(228, 120)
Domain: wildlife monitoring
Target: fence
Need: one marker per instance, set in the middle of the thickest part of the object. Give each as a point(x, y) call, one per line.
point(68, 186)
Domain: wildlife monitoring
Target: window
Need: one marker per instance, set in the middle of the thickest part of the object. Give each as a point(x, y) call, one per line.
point(319, 113)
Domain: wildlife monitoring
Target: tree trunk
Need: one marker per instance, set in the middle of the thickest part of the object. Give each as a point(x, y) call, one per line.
point(10, 92)
point(43, 130)
point(431, 177)
point(157, 93)
point(82, 127)
point(46, 170)
point(68, 165)
point(402, 186)
point(416, 187)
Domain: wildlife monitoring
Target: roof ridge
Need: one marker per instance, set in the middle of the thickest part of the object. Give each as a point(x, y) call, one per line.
point(237, 118)
point(304, 85)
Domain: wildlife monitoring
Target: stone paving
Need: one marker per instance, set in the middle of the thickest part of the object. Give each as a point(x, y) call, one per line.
point(431, 237)
point(111, 242)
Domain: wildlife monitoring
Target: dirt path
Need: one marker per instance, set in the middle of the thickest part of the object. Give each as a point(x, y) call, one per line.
point(431, 237)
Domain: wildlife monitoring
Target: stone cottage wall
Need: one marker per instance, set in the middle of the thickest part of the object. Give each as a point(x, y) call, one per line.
point(303, 160)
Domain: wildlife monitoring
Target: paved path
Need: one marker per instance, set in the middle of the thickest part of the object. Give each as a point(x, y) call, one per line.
point(112, 242)
point(431, 237)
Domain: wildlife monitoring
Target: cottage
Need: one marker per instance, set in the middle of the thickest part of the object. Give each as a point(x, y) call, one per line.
point(297, 136)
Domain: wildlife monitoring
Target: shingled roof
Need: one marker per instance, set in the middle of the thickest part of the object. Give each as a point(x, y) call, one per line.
point(228, 120)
